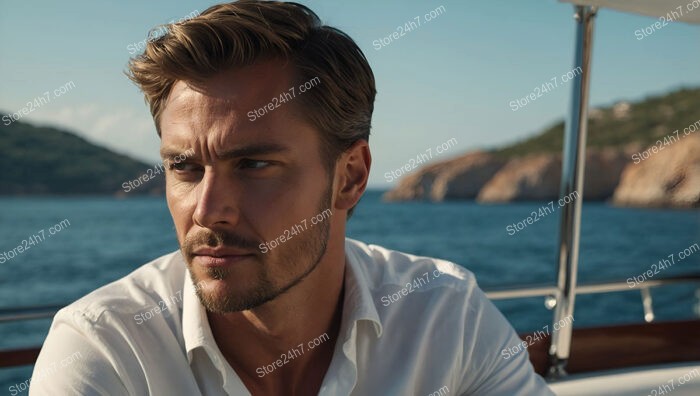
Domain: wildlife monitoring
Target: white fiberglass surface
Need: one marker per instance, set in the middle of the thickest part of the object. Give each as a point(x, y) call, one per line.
point(678, 380)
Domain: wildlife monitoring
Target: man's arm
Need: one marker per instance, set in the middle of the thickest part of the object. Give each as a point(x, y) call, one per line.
point(487, 370)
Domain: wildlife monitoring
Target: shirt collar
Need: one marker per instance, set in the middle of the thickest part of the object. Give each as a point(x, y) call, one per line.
point(359, 302)
point(195, 326)
point(197, 334)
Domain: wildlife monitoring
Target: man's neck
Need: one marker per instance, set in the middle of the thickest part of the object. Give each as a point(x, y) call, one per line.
point(286, 345)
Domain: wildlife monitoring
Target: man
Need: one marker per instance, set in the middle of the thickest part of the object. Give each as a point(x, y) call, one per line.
point(266, 295)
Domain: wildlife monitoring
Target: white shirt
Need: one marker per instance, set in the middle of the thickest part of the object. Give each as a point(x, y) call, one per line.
point(148, 334)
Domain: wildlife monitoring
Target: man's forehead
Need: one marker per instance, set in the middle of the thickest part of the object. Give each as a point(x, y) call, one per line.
point(187, 103)
point(260, 80)
point(229, 93)
point(216, 113)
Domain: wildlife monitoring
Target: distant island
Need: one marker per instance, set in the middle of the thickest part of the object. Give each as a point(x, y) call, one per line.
point(50, 161)
point(639, 154)
point(643, 154)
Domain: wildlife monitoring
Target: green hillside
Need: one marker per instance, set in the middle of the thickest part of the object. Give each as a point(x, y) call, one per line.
point(644, 123)
point(42, 160)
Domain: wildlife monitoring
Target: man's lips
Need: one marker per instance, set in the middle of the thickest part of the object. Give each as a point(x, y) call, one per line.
point(220, 252)
point(219, 257)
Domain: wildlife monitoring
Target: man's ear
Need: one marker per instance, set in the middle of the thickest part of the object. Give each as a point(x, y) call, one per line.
point(352, 172)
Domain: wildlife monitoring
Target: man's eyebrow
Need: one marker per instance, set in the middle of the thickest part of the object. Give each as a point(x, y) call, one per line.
point(253, 149)
point(171, 152)
point(250, 150)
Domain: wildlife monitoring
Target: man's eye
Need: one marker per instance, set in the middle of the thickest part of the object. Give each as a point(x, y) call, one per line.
point(182, 167)
point(253, 164)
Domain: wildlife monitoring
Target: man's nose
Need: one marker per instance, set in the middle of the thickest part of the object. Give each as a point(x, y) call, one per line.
point(217, 201)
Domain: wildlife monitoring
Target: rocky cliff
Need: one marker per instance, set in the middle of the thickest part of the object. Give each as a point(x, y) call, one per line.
point(643, 154)
point(668, 178)
point(460, 178)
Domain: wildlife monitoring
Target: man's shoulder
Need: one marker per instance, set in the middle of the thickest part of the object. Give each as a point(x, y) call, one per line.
point(122, 335)
point(385, 269)
point(145, 286)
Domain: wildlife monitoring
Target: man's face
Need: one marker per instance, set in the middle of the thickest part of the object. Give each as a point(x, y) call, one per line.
point(248, 183)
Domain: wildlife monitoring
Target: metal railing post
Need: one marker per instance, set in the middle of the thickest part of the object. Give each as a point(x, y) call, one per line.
point(573, 166)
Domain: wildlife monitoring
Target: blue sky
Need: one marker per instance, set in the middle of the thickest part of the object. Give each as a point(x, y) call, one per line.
point(452, 77)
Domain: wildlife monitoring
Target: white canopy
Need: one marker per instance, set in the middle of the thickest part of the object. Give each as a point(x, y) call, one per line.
point(673, 10)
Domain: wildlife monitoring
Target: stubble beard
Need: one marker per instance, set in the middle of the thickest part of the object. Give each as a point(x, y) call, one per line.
point(310, 246)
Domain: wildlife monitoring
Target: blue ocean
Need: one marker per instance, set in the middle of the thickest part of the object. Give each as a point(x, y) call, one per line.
point(106, 238)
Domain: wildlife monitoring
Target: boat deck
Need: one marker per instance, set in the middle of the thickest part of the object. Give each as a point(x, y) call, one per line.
point(676, 379)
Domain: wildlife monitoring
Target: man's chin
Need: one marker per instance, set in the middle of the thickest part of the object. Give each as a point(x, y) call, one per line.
point(224, 296)
point(228, 304)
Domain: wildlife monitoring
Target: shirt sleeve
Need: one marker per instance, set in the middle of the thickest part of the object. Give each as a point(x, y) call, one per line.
point(486, 370)
point(72, 362)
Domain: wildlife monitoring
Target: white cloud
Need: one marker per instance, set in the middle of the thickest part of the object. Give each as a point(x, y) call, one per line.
point(123, 130)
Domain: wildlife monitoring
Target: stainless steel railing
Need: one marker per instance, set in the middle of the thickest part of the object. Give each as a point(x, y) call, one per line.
point(28, 313)
point(502, 293)
point(586, 288)
point(553, 296)
point(27, 356)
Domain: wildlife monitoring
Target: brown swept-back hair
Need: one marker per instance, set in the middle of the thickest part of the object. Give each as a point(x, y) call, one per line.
point(231, 35)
